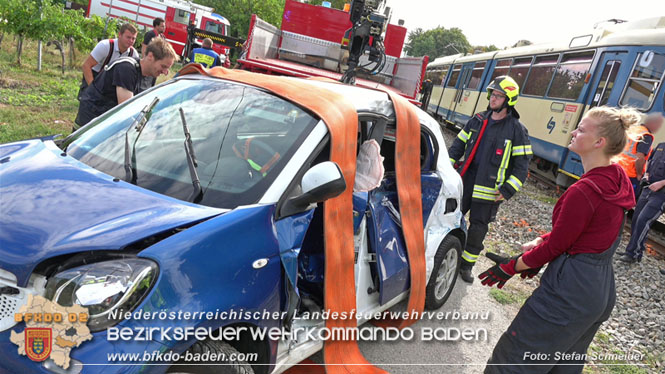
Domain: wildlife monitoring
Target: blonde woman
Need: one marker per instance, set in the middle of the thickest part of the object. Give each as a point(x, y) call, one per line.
point(552, 331)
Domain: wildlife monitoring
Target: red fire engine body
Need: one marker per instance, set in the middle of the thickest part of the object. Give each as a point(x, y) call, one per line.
point(309, 45)
point(178, 14)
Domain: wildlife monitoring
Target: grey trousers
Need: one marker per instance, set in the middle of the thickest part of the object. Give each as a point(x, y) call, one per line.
point(553, 330)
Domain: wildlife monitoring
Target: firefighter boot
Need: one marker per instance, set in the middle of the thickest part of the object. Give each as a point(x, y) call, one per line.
point(465, 273)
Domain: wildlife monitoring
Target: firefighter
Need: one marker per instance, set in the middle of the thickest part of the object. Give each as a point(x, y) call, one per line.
point(205, 55)
point(107, 51)
point(650, 205)
point(158, 29)
point(634, 156)
point(552, 331)
point(492, 155)
point(123, 79)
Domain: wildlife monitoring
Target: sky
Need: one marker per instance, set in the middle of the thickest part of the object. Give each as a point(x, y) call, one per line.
point(504, 22)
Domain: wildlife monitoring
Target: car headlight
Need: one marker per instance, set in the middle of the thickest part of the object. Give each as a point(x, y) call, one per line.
point(103, 288)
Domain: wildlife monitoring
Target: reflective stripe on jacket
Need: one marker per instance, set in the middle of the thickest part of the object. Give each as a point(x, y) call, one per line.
point(506, 167)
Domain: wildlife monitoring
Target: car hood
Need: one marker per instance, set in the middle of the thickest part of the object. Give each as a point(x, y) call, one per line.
point(52, 204)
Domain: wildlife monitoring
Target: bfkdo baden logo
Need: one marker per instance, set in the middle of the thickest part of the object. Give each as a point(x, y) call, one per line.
point(38, 343)
point(51, 330)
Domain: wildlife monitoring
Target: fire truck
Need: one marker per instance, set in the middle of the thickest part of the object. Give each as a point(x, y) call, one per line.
point(178, 14)
point(358, 45)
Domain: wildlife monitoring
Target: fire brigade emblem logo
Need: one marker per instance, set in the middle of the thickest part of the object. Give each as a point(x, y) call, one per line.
point(38, 343)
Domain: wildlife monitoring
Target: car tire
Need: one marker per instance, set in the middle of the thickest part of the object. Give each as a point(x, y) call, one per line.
point(444, 274)
point(212, 347)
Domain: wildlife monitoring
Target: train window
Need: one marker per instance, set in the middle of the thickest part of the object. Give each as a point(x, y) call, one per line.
point(443, 74)
point(437, 74)
point(476, 74)
point(519, 69)
point(181, 16)
point(643, 82)
point(454, 76)
point(431, 74)
point(541, 75)
point(502, 67)
point(570, 75)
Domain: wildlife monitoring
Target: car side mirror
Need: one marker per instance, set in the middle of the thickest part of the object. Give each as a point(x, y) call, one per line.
point(320, 183)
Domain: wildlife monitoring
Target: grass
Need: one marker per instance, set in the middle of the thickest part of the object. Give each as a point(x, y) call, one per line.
point(505, 297)
point(38, 103)
point(542, 197)
point(502, 247)
point(35, 103)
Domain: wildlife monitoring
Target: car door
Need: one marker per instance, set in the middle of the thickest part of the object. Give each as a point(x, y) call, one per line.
point(391, 270)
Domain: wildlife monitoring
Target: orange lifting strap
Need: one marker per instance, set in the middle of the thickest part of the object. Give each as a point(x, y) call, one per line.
point(341, 119)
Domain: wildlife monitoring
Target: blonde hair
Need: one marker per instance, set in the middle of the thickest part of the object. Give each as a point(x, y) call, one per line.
point(613, 125)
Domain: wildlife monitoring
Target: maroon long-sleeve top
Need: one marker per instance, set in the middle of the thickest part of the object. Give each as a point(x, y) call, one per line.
point(587, 218)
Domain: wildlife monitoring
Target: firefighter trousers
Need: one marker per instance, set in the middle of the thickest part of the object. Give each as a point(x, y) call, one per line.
point(553, 330)
point(480, 216)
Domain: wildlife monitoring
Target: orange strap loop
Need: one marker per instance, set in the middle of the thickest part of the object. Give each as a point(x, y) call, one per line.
point(341, 119)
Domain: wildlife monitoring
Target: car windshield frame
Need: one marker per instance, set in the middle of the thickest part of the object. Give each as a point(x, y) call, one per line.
point(242, 138)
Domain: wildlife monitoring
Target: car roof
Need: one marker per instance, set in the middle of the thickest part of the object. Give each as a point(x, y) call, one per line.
point(363, 99)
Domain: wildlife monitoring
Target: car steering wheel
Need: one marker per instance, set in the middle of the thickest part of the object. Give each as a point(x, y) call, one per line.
point(259, 155)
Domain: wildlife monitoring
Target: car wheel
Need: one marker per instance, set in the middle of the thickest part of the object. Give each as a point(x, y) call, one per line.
point(230, 365)
point(444, 274)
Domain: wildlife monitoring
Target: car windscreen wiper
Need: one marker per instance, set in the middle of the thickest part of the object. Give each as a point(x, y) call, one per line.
point(197, 195)
point(139, 125)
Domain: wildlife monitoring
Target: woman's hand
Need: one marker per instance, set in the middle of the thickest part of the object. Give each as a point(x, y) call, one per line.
point(529, 245)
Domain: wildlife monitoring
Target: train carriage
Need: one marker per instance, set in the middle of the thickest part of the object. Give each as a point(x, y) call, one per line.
point(437, 72)
point(622, 65)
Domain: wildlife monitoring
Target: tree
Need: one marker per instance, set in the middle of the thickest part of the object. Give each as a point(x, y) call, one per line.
point(22, 18)
point(436, 42)
point(239, 12)
point(48, 21)
point(485, 48)
point(63, 26)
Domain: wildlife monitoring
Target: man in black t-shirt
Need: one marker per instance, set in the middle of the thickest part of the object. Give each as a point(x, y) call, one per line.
point(123, 79)
point(159, 27)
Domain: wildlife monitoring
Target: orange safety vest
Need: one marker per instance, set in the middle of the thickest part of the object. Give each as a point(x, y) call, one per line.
point(629, 155)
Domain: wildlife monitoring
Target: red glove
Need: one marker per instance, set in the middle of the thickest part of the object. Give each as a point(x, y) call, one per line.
point(530, 273)
point(501, 272)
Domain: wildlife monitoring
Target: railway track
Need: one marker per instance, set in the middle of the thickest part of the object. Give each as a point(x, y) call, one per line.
point(655, 245)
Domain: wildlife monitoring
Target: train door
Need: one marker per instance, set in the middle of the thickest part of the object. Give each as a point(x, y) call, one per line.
point(456, 116)
point(605, 90)
point(604, 94)
point(449, 96)
point(468, 94)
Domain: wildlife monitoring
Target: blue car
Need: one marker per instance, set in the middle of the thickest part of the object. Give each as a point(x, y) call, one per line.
point(197, 204)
